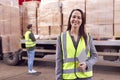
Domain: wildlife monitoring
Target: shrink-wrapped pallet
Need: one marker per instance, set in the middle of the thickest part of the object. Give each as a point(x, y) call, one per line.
point(49, 19)
point(7, 19)
point(55, 31)
point(44, 32)
point(30, 15)
point(12, 3)
point(31, 4)
point(68, 6)
point(49, 13)
point(100, 31)
point(117, 30)
point(24, 19)
point(99, 11)
point(1, 20)
point(5, 44)
point(10, 19)
point(15, 22)
point(9, 24)
point(117, 18)
point(14, 42)
point(117, 12)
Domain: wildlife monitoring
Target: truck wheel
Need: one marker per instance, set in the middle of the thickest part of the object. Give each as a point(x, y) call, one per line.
point(11, 58)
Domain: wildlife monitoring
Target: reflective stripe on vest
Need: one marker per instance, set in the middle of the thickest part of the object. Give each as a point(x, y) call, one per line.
point(28, 41)
point(70, 57)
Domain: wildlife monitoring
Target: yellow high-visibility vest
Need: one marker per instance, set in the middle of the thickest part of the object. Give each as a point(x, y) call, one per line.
point(70, 58)
point(28, 41)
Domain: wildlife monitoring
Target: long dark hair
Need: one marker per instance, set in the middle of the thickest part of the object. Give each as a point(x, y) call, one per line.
point(81, 28)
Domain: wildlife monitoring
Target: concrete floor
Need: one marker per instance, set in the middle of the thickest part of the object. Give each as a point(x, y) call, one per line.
point(103, 70)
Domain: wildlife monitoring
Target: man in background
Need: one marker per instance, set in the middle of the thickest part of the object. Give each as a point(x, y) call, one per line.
point(30, 46)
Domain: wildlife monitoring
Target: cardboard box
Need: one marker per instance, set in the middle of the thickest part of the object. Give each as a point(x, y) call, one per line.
point(117, 12)
point(100, 31)
point(44, 32)
point(68, 6)
point(5, 44)
point(49, 13)
point(1, 21)
point(99, 11)
point(117, 30)
point(14, 42)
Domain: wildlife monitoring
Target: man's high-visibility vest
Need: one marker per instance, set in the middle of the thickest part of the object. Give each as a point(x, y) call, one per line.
point(70, 57)
point(28, 41)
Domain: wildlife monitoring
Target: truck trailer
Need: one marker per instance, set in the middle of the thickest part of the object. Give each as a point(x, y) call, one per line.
point(12, 43)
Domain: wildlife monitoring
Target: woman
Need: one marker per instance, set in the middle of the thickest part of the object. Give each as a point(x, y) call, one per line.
point(75, 52)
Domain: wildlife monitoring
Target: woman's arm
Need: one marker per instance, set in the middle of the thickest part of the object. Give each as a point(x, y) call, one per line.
point(93, 56)
point(58, 60)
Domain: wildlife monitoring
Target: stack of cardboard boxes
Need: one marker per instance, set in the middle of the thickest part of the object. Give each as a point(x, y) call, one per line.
point(102, 17)
point(9, 25)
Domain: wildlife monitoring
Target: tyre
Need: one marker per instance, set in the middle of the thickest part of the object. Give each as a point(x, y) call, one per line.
point(11, 58)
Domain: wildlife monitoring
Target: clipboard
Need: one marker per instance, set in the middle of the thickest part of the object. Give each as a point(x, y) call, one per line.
point(83, 56)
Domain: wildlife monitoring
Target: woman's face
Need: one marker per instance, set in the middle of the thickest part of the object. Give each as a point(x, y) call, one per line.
point(76, 19)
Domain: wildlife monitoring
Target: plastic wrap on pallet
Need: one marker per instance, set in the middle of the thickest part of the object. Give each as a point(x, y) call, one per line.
point(99, 11)
point(30, 15)
point(13, 3)
point(100, 31)
point(69, 5)
point(6, 19)
point(10, 17)
point(117, 18)
point(117, 30)
point(117, 12)
point(55, 31)
point(5, 44)
point(31, 4)
point(49, 13)
point(14, 43)
point(43, 32)
point(9, 24)
point(1, 20)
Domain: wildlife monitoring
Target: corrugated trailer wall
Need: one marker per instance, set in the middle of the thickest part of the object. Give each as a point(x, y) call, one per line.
point(10, 25)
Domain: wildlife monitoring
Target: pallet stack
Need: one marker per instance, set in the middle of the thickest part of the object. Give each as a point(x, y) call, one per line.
point(102, 17)
point(30, 15)
point(9, 25)
point(49, 19)
point(67, 7)
point(99, 18)
point(117, 18)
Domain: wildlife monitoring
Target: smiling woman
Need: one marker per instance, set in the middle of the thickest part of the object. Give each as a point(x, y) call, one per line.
point(75, 51)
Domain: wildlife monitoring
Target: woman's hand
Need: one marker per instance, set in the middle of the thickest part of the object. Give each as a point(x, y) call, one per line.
point(82, 66)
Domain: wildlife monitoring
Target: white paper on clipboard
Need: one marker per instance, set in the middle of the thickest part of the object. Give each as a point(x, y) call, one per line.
point(83, 56)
